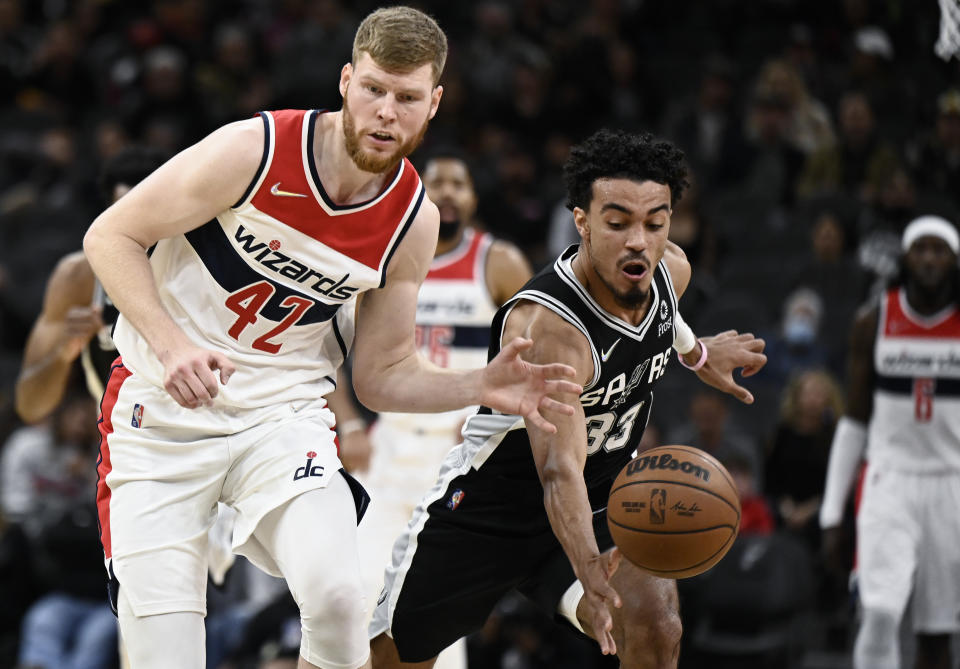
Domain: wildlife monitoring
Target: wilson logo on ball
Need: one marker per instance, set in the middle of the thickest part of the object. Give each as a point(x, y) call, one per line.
point(666, 462)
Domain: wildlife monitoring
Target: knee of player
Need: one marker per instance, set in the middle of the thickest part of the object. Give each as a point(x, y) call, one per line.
point(334, 604)
point(652, 631)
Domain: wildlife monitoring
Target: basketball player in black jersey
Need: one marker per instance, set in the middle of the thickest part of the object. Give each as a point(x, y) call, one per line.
point(516, 507)
point(77, 316)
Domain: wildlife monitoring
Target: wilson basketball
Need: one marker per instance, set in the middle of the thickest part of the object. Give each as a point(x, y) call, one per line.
point(674, 511)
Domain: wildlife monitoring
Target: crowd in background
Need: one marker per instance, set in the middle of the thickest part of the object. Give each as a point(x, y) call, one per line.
point(814, 129)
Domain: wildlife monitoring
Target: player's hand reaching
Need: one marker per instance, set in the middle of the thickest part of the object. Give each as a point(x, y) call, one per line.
point(80, 324)
point(727, 352)
point(189, 374)
point(599, 596)
point(514, 386)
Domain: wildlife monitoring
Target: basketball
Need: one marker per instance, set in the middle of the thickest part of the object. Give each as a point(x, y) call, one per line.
point(674, 511)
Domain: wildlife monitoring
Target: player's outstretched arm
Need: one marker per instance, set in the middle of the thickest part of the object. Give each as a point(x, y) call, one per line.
point(183, 194)
point(560, 458)
point(390, 375)
point(65, 325)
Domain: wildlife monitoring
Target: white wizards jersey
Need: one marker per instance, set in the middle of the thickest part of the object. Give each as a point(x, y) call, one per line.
point(272, 282)
point(916, 405)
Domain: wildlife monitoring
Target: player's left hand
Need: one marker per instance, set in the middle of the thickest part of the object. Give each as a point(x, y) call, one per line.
point(514, 386)
point(726, 352)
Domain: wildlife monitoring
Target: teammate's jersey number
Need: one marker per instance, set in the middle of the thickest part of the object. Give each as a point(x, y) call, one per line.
point(247, 302)
point(604, 430)
point(435, 341)
point(923, 393)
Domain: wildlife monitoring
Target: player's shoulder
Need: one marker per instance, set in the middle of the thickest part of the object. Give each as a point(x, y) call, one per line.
point(675, 260)
point(555, 339)
point(503, 252)
point(242, 140)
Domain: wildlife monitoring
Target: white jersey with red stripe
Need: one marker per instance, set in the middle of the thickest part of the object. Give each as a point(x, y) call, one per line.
point(272, 282)
point(915, 425)
point(454, 310)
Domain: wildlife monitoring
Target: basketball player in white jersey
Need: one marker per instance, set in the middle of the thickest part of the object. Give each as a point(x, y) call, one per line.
point(237, 268)
point(471, 275)
point(904, 409)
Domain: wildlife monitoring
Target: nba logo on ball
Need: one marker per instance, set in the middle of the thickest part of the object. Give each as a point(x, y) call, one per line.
point(693, 515)
point(137, 419)
point(455, 500)
point(658, 506)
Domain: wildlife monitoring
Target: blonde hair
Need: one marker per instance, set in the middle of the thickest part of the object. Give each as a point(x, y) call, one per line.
point(402, 39)
point(833, 399)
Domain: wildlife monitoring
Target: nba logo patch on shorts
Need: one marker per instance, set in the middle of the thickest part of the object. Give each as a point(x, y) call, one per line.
point(455, 500)
point(137, 419)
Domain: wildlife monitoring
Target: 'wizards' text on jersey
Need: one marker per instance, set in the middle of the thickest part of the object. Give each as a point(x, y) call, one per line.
point(272, 282)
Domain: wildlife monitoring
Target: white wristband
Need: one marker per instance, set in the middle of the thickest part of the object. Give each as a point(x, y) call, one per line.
point(683, 338)
point(846, 451)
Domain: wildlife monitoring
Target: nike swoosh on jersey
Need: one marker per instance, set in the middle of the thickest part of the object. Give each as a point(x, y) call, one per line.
point(283, 193)
point(606, 354)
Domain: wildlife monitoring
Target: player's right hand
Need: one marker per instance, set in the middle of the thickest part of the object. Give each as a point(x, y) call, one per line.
point(599, 596)
point(189, 375)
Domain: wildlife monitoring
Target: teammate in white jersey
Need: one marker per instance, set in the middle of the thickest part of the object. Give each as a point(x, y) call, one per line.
point(904, 408)
point(471, 275)
point(244, 259)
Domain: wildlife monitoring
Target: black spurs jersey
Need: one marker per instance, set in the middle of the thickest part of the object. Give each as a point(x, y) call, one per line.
point(628, 360)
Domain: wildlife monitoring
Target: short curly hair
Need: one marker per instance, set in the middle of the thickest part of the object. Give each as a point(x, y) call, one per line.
point(614, 154)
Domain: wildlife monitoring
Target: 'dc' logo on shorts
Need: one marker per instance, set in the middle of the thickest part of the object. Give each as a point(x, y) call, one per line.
point(308, 469)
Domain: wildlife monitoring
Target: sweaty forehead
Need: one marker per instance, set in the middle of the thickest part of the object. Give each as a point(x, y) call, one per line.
point(637, 196)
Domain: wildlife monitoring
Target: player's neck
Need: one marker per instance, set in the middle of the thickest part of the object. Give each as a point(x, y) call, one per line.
point(447, 245)
point(343, 181)
point(928, 302)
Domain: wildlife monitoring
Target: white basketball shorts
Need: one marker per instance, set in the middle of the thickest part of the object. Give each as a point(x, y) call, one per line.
point(163, 468)
point(908, 534)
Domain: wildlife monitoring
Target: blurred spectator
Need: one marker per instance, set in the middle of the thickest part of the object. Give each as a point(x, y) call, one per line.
point(313, 47)
point(710, 429)
point(756, 516)
point(830, 270)
point(810, 127)
point(165, 109)
point(771, 162)
point(861, 160)
point(797, 457)
point(707, 126)
point(230, 84)
point(936, 162)
point(48, 476)
point(796, 345)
